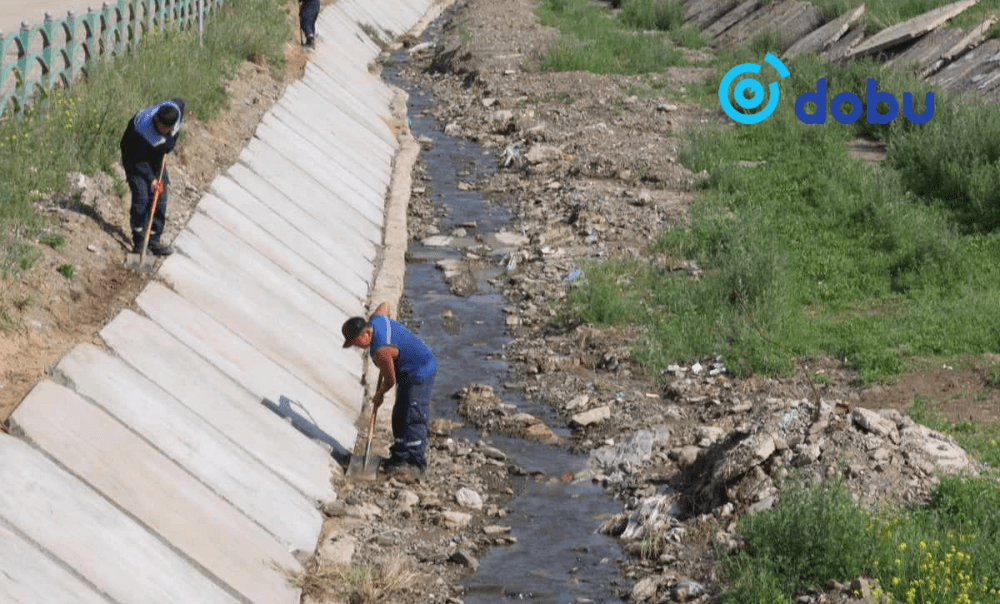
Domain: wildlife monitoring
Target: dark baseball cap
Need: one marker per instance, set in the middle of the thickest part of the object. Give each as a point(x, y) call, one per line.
point(352, 328)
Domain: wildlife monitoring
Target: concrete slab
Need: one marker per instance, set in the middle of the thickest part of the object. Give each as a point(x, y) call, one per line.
point(973, 71)
point(27, 569)
point(957, 76)
point(361, 85)
point(203, 450)
point(340, 97)
point(908, 30)
point(212, 246)
point(926, 50)
point(336, 27)
point(251, 311)
point(370, 152)
point(163, 496)
point(351, 147)
point(287, 344)
point(284, 257)
point(337, 173)
point(349, 66)
point(270, 209)
point(377, 138)
point(842, 47)
point(731, 18)
point(222, 403)
point(703, 13)
point(107, 549)
point(790, 20)
point(822, 37)
point(973, 38)
point(333, 209)
point(235, 357)
point(388, 21)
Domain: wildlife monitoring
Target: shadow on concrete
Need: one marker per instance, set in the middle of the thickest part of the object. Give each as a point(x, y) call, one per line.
point(306, 425)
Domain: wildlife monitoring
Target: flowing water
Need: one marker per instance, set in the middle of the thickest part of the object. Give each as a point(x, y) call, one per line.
point(559, 557)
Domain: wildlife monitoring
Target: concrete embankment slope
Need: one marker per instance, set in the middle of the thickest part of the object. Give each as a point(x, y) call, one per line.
point(184, 457)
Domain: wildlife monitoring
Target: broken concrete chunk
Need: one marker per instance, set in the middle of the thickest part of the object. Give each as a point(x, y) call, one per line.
point(875, 423)
point(822, 37)
point(593, 416)
point(909, 30)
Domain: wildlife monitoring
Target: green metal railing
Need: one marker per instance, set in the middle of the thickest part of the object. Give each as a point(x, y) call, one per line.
point(40, 58)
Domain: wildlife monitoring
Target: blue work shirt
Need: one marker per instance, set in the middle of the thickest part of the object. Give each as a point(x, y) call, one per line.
point(416, 362)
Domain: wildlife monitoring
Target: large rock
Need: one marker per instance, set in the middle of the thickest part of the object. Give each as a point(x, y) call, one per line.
point(594, 416)
point(876, 424)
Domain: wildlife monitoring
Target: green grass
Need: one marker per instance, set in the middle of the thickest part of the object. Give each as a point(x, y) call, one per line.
point(66, 270)
point(53, 240)
point(883, 13)
point(79, 129)
point(643, 37)
point(813, 252)
point(941, 554)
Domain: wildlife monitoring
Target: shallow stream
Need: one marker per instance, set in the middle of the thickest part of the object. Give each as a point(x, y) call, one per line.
point(559, 557)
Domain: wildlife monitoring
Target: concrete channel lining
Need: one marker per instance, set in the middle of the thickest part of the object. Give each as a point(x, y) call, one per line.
point(186, 460)
point(246, 262)
point(241, 361)
point(35, 568)
point(203, 450)
point(370, 166)
point(329, 209)
point(109, 550)
point(148, 485)
point(336, 176)
point(271, 210)
point(221, 401)
point(285, 258)
point(263, 321)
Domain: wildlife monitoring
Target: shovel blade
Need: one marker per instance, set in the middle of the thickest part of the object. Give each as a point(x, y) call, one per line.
point(137, 263)
point(359, 470)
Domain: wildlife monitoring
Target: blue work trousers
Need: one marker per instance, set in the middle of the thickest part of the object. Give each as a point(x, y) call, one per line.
point(142, 198)
point(308, 12)
point(410, 416)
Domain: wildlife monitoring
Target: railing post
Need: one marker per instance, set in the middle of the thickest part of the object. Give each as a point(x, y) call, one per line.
point(6, 41)
point(47, 80)
point(22, 88)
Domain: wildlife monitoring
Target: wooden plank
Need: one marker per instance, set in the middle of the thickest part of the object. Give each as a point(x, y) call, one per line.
point(821, 38)
point(900, 33)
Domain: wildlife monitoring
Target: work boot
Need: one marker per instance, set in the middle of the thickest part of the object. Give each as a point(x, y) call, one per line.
point(403, 470)
point(310, 41)
point(160, 249)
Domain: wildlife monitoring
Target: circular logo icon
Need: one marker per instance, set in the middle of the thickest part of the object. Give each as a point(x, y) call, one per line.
point(749, 93)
